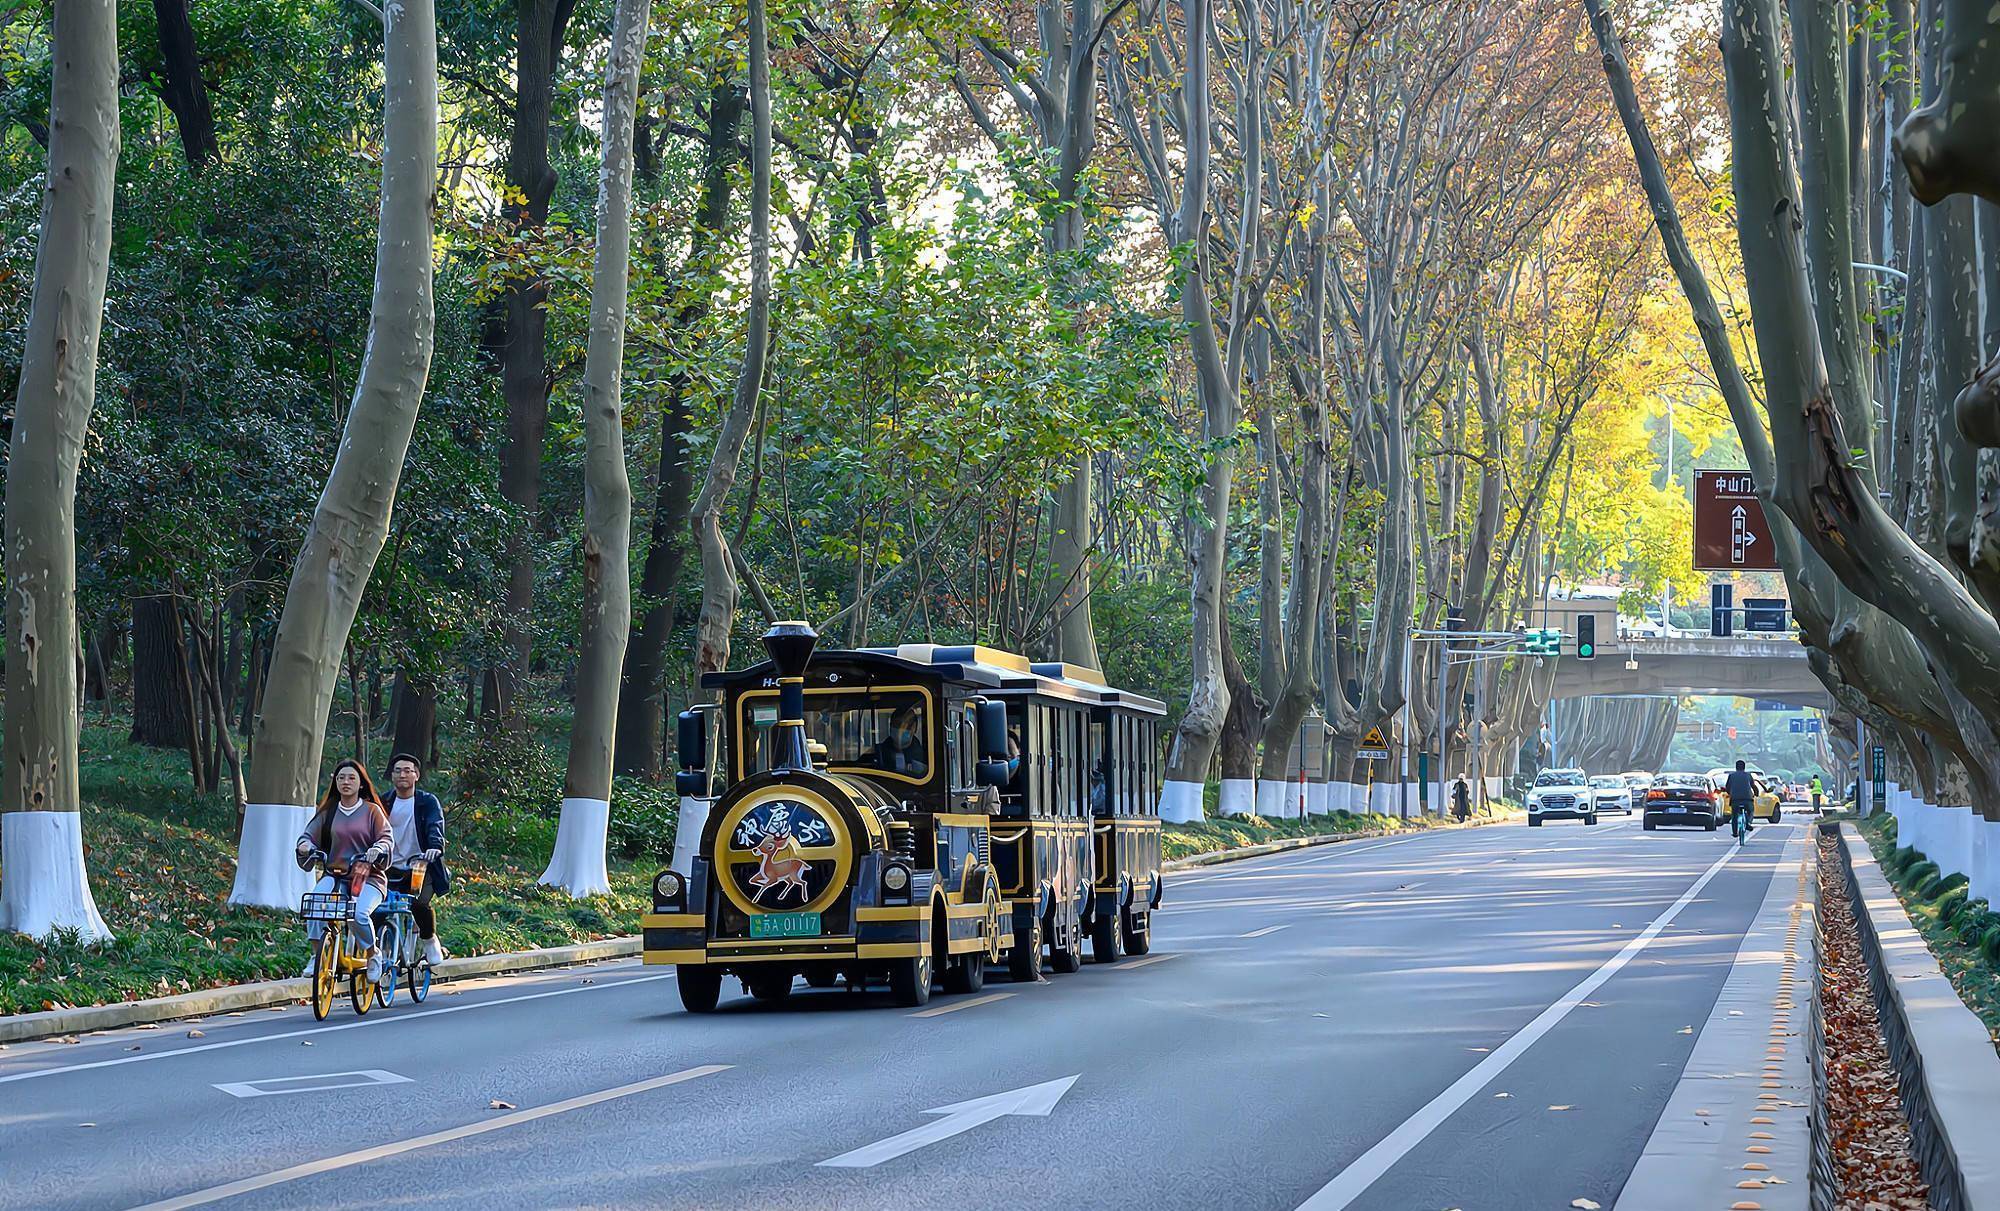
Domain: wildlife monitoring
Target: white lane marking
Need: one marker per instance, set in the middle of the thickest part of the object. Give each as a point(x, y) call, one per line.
point(959, 1117)
point(1264, 932)
point(347, 1160)
point(1138, 963)
point(354, 1025)
point(318, 1083)
point(1352, 1181)
point(955, 1006)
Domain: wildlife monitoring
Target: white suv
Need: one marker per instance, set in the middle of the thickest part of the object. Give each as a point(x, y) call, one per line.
point(1562, 794)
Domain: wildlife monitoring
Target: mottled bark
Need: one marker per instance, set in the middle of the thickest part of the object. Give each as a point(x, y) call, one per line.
point(351, 522)
point(719, 585)
point(1952, 144)
point(607, 494)
point(42, 885)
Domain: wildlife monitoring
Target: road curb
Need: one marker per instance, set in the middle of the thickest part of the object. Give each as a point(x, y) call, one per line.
point(208, 1001)
point(1946, 1067)
point(1194, 861)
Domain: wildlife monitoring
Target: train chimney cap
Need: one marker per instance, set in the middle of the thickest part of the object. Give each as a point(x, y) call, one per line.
point(790, 645)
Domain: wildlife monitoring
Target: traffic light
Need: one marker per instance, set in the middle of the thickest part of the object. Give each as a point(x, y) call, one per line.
point(1586, 636)
point(1542, 643)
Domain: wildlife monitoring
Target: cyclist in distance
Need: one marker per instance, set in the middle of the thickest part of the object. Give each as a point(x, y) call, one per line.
point(1742, 791)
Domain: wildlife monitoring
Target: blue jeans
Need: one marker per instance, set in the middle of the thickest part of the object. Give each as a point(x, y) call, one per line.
point(366, 901)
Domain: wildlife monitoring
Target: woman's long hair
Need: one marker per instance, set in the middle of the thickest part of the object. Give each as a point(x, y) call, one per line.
point(331, 799)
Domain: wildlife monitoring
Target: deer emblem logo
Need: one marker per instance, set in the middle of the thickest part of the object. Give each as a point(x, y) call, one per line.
point(784, 873)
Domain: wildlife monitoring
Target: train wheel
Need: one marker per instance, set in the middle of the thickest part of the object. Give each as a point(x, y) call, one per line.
point(1024, 962)
point(1138, 929)
point(701, 987)
point(910, 980)
point(1104, 937)
point(991, 924)
point(770, 985)
point(1066, 959)
point(967, 973)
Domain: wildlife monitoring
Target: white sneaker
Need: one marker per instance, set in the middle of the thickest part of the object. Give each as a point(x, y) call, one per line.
point(374, 967)
point(433, 952)
point(307, 974)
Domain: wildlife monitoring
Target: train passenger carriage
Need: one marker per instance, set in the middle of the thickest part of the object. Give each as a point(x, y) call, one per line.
point(895, 816)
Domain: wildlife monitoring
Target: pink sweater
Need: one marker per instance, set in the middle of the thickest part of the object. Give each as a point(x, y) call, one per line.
point(360, 835)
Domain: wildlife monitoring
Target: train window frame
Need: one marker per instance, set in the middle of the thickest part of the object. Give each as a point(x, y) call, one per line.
point(743, 728)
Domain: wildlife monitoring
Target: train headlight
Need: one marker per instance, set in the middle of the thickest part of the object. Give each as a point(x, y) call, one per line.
point(667, 887)
point(896, 879)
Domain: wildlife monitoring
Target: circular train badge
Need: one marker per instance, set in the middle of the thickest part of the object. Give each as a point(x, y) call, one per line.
point(784, 850)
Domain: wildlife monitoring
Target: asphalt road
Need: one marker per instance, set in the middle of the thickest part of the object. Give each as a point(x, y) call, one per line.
point(1389, 1025)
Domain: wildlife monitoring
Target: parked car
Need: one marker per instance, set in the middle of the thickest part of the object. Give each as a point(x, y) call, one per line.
point(1608, 793)
point(1680, 799)
point(1561, 794)
point(1638, 783)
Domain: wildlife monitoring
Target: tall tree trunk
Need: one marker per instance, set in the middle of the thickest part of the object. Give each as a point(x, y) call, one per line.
point(42, 883)
point(719, 593)
point(641, 697)
point(351, 522)
point(183, 91)
point(159, 676)
point(416, 712)
point(524, 376)
point(577, 865)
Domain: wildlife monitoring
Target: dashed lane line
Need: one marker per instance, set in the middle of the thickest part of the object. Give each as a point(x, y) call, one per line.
point(1264, 932)
point(940, 1010)
point(1148, 961)
point(312, 1030)
point(347, 1160)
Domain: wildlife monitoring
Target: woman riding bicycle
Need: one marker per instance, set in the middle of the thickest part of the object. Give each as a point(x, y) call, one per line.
point(417, 820)
point(350, 827)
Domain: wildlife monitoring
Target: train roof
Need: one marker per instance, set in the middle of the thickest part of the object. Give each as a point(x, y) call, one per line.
point(973, 664)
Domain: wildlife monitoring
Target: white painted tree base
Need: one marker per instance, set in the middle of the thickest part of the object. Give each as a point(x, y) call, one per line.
point(1278, 799)
point(687, 834)
point(42, 883)
point(1382, 798)
point(1180, 803)
point(577, 866)
point(1317, 795)
point(1238, 798)
point(267, 863)
point(1981, 881)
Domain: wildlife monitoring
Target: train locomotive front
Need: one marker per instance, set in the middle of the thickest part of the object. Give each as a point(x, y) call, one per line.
point(801, 870)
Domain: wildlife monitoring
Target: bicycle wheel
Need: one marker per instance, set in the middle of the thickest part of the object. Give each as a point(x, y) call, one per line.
point(326, 969)
point(420, 980)
point(391, 943)
point(361, 990)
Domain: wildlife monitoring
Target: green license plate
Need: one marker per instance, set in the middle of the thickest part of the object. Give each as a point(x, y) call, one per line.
point(785, 925)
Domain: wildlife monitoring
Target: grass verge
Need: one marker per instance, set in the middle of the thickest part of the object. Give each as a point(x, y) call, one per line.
point(161, 858)
point(1963, 934)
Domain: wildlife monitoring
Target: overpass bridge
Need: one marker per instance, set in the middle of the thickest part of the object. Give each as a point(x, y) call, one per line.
point(1753, 665)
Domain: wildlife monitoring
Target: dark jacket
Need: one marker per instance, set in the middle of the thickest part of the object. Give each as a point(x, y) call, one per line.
point(430, 834)
point(1741, 786)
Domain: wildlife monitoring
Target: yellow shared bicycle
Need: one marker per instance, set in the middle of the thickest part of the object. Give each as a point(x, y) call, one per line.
point(337, 953)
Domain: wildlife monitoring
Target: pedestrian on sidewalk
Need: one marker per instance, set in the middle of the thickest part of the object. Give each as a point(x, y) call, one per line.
point(1818, 789)
point(417, 819)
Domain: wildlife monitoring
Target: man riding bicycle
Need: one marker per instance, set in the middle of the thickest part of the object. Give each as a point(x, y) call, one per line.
point(417, 820)
point(1741, 788)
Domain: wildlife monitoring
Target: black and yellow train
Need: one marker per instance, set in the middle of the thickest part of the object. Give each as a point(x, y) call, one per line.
point(899, 816)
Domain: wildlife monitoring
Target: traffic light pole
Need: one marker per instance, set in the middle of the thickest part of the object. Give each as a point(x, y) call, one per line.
point(1485, 645)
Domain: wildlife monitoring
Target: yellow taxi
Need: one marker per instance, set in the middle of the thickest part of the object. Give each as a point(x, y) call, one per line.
point(1763, 807)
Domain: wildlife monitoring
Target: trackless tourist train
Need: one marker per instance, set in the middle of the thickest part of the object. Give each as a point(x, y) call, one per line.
point(895, 816)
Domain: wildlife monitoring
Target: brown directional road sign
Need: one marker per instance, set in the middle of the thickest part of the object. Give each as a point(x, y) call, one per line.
point(1730, 532)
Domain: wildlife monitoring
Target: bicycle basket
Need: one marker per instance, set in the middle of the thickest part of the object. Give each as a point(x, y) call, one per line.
point(326, 906)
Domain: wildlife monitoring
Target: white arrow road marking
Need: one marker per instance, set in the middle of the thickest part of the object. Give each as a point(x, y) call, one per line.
point(959, 1117)
point(347, 1160)
point(318, 1083)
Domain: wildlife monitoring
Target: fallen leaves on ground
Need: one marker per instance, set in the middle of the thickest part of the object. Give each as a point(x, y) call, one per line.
point(497, 1104)
point(196, 1034)
point(1870, 1138)
point(1584, 1204)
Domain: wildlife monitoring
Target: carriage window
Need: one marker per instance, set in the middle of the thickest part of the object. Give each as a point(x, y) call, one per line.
point(873, 732)
point(1100, 767)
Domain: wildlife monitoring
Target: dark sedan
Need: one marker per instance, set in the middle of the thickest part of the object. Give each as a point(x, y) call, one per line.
point(1681, 799)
